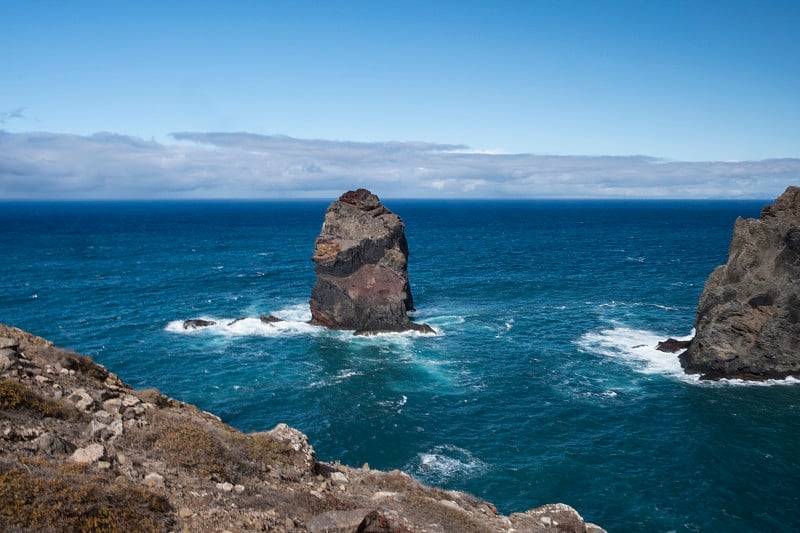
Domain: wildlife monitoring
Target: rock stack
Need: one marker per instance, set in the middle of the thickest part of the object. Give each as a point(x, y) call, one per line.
point(748, 318)
point(361, 257)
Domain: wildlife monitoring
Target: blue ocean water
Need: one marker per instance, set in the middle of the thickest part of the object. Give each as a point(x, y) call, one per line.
point(541, 385)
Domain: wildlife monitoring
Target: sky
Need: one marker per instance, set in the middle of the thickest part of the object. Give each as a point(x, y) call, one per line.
point(278, 99)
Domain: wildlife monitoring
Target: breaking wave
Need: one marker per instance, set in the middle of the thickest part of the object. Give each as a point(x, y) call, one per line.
point(294, 320)
point(445, 463)
point(636, 348)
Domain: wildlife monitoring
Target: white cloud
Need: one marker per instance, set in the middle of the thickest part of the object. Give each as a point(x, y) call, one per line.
point(244, 165)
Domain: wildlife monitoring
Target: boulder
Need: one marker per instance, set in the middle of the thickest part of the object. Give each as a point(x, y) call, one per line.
point(748, 318)
point(52, 444)
point(361, 257)
point(555, 517)
point(195, 323)
point(9, 343)
point(8, 358)
point(672, 345)
point(301, 453)
point(350, 521)
point(90, 454)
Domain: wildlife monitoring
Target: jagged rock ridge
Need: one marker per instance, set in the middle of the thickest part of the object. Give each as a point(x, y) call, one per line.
point(361, 257)
point(748, 318)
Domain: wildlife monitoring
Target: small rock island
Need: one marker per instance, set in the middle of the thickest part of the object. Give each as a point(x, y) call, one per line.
point(748, 318)
point(361, 257)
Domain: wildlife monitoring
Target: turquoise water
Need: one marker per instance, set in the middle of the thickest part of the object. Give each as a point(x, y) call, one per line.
point(541, 384)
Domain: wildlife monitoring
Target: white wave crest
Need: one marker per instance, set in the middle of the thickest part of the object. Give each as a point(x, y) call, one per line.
point(396, 405)
point(446, 463)
point(634, 347)
point(437, 322)
point(294, 321)
point(637, 349)
point(340, 376)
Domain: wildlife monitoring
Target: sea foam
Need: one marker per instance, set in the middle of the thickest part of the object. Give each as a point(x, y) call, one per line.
point(294, 320)
point(446, 463)
point(636, 348)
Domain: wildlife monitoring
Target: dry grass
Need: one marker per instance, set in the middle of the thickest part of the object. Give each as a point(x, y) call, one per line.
point(78, 363)
point(194, 447)
point(212, 449)
point(266, 452)
point(39, 496)
point(16, 396)
point(431, 511)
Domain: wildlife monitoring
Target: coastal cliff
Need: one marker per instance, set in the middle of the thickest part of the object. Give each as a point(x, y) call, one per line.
point(748, 317)
point(82, 451)
point(361, 258)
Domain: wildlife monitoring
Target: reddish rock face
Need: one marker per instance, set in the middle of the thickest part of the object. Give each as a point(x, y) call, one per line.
point(361, 258)
point(748, 318)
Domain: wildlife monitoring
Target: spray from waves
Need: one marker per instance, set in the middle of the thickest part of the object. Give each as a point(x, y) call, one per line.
point(395, 405)
point(636, 348)
point(445, 463)
point(294, 320)
point(439, 322)
point(336, 379)
point(244, 327)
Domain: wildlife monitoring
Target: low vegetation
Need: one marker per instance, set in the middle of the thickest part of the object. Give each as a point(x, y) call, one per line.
point(40, 496)
point(16, 396)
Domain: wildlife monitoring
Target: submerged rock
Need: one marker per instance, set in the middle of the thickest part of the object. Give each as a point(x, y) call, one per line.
point(361, 257)
point(748, 317)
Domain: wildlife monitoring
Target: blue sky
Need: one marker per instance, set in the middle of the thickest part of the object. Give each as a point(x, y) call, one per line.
point(698, 84)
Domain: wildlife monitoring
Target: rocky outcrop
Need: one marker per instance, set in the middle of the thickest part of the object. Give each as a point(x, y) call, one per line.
point(672, 345)
point(195, 323)
point(748, 318)
point(361, 257)
point(82, 451)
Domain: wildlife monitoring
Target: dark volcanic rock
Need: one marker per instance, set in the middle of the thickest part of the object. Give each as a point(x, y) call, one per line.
point(748, 318)
point(672, 345)
point(361, 257)
point(195, 323)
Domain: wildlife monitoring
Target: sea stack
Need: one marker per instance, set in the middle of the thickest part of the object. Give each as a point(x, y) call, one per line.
point(748, 318)
point(361, 257)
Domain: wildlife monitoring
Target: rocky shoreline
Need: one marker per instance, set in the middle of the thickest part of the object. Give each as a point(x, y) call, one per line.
point(80, 450)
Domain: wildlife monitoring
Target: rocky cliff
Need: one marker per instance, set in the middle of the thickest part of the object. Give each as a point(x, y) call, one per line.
point(82, 451)
point(748, 318)
point(361, 258)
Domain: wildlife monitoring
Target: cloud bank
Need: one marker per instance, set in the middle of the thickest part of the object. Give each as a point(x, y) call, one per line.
point(244, 165)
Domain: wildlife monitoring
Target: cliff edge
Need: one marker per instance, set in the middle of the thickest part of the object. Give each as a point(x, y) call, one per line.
point(82, 451)
point(748, 318)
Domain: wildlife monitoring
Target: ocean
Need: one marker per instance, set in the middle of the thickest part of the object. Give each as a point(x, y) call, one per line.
point(541, 384)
